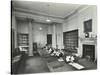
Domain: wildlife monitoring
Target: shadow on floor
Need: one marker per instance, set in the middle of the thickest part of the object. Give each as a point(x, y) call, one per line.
point(33, 65)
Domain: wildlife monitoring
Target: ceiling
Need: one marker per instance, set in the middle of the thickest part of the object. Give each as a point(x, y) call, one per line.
point(56, 10)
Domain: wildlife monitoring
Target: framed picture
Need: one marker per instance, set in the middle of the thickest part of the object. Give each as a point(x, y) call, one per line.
point(88, 26)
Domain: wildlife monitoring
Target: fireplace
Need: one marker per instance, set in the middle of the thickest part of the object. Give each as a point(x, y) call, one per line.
point(89, 51)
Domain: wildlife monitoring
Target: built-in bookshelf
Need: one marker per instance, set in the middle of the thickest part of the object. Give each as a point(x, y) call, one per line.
point(23, 40)
point(71, 39)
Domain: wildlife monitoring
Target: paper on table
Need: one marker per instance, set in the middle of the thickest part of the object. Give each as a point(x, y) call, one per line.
point(76, 65)
point(60, 59)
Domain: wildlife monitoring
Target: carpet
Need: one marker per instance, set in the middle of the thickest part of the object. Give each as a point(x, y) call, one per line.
point(33, 65)
point(88, 64)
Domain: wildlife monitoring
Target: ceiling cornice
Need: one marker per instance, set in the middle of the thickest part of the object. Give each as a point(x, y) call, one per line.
point(76, 11)
point(70, 14)
point(35, 13)
point(46, 15)
point(26, 19)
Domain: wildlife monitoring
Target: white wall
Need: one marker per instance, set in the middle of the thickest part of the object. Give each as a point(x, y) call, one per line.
point(40, 36)
point(76, 20)
point(13, 22)
point(57, 34)
point(87, 13)
point(22, 26)
point(50, 29)
point(13, 26)
point(59, 30)
point(71, 23)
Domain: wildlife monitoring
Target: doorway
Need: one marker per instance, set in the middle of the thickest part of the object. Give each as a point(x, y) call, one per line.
point(49, 39)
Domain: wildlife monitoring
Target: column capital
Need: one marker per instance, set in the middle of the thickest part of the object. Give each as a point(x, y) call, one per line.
point(56, 23)
point(30, 20)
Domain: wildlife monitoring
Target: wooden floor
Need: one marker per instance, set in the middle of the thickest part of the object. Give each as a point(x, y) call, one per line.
point(33, 65)
point(41, 63)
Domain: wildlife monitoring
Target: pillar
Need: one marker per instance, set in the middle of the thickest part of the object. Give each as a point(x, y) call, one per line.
point(30, 37)
point(54, 40)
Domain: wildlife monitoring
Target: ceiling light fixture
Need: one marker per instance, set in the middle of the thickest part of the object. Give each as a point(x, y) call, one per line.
point(40, 28)
point(48, 20)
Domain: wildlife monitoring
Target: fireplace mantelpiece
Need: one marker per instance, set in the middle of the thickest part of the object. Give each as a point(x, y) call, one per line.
point(89, 41)
point(89, 51)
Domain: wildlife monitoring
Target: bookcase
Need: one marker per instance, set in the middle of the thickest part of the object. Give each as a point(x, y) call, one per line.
point(23, 40)
point(70, 39)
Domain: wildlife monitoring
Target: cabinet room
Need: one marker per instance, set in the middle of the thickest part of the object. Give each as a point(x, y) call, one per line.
point(52, 37)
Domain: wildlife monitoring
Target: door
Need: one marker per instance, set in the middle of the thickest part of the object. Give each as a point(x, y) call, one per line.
point(49, 38)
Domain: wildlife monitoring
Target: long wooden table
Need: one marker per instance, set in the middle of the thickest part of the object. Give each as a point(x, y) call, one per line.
point(55, 66)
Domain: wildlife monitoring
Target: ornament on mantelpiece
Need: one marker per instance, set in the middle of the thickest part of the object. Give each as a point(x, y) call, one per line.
point(86, 35)
point(94, 35)
point(81, 37)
